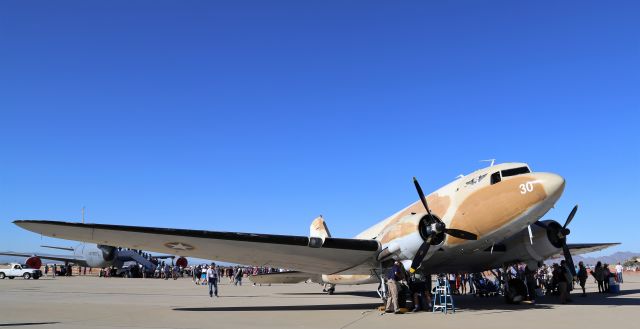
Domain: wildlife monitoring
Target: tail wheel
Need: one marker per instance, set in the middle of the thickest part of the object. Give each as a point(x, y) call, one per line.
point(27, 276)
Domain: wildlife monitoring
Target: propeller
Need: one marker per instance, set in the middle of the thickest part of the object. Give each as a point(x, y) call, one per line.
point(565, 249)
point(558, 236)
point(433, 227)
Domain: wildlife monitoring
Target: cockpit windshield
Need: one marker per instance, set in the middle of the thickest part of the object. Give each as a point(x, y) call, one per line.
point(515, 171)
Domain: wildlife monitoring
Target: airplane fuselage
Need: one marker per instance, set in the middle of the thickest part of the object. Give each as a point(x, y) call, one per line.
point(496, 203)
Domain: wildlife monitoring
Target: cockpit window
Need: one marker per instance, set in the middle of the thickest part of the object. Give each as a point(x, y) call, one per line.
point(515, 171)
point(495, 178)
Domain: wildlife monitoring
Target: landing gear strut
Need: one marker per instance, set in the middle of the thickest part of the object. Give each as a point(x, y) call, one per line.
point(331, 289)
point(382, 287)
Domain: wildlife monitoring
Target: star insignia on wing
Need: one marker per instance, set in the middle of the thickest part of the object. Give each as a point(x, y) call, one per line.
point(179, 246)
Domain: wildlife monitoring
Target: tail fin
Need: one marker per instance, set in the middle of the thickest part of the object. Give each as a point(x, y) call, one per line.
point(319, 229)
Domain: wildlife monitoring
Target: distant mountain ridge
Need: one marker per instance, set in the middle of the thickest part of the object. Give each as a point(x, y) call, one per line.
point(11, 259)
point(615, 258)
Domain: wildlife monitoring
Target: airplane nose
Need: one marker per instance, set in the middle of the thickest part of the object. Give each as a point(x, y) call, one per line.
point(553, 185)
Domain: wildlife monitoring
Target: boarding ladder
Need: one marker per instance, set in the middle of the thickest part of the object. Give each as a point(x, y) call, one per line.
point(443, 301)
point(130, 255)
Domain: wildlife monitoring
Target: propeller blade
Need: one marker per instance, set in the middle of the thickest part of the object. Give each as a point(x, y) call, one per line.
point(569, 259)
point(570, 218)
point(422, 251)
point(530, 234)
point(460, 234)
point(421, 194)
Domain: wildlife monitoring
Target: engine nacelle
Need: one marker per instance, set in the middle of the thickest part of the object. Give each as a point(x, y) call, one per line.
point(34, 262)
point(401, 240)
point(108, 252)
point(545, 244)
point(182, 262)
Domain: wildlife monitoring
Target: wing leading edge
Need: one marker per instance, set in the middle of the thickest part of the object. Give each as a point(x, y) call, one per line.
point(345, 256)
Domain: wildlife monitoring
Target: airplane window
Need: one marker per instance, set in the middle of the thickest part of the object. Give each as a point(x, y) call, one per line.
point(515, 171)
point(495, 178)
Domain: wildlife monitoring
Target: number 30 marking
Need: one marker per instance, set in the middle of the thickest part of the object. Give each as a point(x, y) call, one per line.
point(526, 188)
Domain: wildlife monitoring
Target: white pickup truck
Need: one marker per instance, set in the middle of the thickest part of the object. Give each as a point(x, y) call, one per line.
point(20, 270)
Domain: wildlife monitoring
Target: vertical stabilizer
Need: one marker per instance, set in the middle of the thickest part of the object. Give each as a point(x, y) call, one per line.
point(319, 229)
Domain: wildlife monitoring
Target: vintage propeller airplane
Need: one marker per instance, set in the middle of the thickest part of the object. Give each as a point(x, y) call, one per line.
point(478, 222)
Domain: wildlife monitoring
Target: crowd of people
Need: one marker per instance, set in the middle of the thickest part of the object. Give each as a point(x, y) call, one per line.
point(234, 274)
point(556, 279)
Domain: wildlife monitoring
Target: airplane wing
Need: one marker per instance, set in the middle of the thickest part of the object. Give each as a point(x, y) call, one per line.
point(584, 248)
point(64, 258)
point(345, 256)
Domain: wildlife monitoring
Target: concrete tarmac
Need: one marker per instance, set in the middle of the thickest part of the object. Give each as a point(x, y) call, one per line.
point(91, 302)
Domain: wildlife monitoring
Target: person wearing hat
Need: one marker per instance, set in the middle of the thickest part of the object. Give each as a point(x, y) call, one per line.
point(212, 279)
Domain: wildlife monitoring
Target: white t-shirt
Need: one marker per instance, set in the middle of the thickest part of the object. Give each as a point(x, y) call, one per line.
point(212, 274)
point(619, 268)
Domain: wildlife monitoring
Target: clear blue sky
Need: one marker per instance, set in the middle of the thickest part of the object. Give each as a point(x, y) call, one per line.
point(256, 116)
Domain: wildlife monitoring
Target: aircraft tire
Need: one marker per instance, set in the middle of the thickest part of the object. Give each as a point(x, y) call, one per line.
point(27, 276)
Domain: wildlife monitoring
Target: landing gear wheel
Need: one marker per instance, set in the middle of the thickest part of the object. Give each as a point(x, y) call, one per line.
point(27, 276)
point(330, 291)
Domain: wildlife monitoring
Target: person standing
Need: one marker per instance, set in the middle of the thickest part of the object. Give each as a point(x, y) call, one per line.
point(394, 276)
point(530, 281)
point(212, 279)
point(197, 272)
point(239, 274)
point(167, 271)
point(582, 277)
point(598, 274)
point(607, 275)
point(561, 279)
point(619, 269)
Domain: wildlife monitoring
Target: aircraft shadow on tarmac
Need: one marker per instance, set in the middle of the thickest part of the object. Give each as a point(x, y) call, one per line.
point(327, 307)
point(371, 294)
point(19, 324)
point(471, 303)
point(463, 303)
